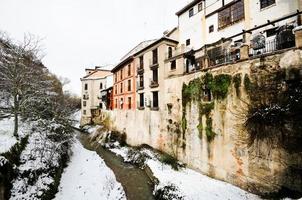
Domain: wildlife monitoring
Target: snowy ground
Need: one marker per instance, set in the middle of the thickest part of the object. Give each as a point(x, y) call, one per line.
point(7, 140)
point(190, 184)
point(88, 177)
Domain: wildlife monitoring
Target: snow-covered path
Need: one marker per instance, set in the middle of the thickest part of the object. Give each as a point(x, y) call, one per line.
point(88, 177)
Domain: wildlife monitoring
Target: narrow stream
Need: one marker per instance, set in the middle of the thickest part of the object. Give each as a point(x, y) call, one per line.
point(135, 181)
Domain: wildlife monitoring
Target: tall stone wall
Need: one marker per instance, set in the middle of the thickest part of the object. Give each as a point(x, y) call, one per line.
point(261, 164)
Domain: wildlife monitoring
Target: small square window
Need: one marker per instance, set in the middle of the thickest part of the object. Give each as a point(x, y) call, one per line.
point(188, 42)
point(200, 7)
point(84, 112)
point(211, 28)
point(191, 12)
point(266, 3)
point(84, 103)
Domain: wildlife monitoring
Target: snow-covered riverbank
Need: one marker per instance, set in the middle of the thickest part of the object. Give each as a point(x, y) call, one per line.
point(88, 177)
point(185, 184)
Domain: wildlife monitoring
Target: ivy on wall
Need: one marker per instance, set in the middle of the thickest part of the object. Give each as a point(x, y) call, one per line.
point(217, 87)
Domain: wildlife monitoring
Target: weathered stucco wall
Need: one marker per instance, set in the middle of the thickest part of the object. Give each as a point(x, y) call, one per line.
point(258, 165)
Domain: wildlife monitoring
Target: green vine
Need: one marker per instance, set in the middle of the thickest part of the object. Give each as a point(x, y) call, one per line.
point(209, 132)
point(220, 86)
point(237, 83)
point(247, 83)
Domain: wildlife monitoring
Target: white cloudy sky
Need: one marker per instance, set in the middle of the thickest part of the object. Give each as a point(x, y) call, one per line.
point(84, 33)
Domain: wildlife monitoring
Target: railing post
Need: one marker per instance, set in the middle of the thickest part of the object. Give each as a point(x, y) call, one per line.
point(298, 36)
point(244, 52)
point(206, 62)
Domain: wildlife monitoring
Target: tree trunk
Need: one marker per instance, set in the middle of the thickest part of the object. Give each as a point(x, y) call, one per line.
point(16, 120)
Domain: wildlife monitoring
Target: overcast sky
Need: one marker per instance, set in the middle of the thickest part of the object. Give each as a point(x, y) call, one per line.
point(85, 33)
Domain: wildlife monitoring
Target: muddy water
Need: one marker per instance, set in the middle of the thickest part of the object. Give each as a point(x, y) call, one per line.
point(136, 183)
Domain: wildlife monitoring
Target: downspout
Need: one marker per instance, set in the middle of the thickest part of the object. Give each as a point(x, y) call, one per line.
point(299, 20)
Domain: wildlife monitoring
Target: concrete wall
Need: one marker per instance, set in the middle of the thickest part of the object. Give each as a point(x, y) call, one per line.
point(228, 157)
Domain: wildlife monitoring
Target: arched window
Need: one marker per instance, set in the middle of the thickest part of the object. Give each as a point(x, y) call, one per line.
point(101, 86)
point(169, 52)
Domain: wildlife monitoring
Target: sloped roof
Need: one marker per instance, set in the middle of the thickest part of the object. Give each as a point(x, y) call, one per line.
point(138, 48)
point(188, 6)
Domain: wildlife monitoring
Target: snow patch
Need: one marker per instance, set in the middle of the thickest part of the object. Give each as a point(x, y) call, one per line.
point(189, 184)
point(7, 140)
point(88, 177)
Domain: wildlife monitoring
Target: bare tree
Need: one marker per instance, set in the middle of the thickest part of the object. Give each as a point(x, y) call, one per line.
point(22, 77)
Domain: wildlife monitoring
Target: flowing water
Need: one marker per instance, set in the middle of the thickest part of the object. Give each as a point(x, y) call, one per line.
point(135, 181)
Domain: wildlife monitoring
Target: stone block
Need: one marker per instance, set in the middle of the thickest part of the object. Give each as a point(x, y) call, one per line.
point(244, 52)
point(298, 37)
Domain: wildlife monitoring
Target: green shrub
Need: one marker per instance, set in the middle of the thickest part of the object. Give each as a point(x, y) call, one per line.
point(170, 160)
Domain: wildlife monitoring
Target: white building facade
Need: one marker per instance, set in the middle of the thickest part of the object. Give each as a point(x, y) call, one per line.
point(95, 81)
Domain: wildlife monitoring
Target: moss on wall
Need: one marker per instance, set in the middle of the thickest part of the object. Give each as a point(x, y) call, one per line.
point(237, 83)
point(247, 83)
point(218, 86)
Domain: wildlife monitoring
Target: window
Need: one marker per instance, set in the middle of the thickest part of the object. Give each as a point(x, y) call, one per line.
point(188, 42)
point(121, 87)
point(231, 14)
point(207, 95)
point(266, 3)
point(115, 77)
point(100, 105)
point(154, 56)
point(155, 99)
point(141, 81)
point(211, 28)
point(191, 12)
point(129, 85)
point(122, 103)
point(86, 86)
point(141, 62)
point(101, 86)
point(121, 74)
point(115, 103)
point(84, 112)
point(173, 65)
point(155, 75)
point(271, 32)
point(200, 7)
point(141, 100)
point(129, 102)
point(169, 52)
point(129, 70)
point(84, 103)
point(115, 89)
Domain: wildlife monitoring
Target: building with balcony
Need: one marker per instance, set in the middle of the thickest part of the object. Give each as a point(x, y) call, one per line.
point(95, 81)
point(150, 64)
point(124, 85)
point(211, 32)
point(125, 73)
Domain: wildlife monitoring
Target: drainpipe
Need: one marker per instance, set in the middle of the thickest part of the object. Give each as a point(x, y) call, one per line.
point(299, 16)
point(247, 20)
